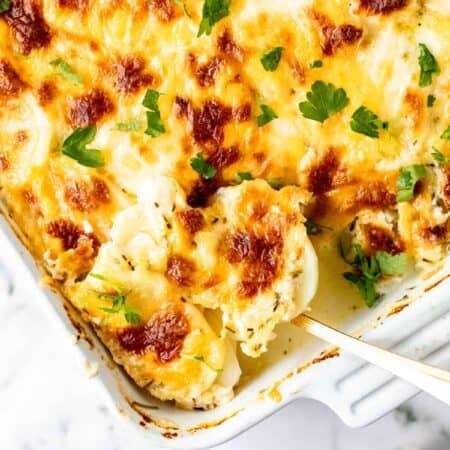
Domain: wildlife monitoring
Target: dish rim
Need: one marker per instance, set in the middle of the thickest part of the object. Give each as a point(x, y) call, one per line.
point(203, 435)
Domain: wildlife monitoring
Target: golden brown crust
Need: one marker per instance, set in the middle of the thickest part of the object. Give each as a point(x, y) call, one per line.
point(130, 75)
point(10, 82)
point(381, 239)
point(180, 270)
point(383, 6)
point(163, 334)
point(192, 220)
point(47, 92)
point(86, 197)
point(259, 258)
point(71, 235)
point(88, 109)
point(334, 36)
point(29, 27)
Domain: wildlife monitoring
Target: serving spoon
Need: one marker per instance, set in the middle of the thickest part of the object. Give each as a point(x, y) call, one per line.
point(429, 379)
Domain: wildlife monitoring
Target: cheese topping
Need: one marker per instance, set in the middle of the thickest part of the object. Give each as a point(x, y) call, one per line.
point(165, 162)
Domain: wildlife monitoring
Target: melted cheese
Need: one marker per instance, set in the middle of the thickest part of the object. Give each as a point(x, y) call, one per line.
point(79, 220)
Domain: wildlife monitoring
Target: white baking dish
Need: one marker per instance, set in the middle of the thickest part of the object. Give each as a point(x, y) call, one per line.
point(357, 392)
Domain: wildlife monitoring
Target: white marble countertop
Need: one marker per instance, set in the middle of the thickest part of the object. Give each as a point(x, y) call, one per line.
point(48, 403)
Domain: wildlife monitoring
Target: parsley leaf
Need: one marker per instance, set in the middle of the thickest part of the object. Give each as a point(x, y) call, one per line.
point(275, 183)
point(324, 100)
point(118, 301)
point(430, 100)
point(65, 70)
point(428, 66)
point(129, 125)
point(183, 5)
point(243, 176)
point(316, 64)
point(151, 100)
point(270, 59)
point(394, 265)
point(201, 358)
point(213, 12)
point(5, 5)
point(132, 315)
point(366, 287)
point(369, 270)
point(199, 164)
point(75, 147)
point(313, 228)
point(268, 114)
point(155, 126)
point(439, 157)
point(446, 134)
point(407, 180)
point(366, 122)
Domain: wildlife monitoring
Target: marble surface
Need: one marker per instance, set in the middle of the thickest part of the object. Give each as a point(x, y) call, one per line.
point(47, 402)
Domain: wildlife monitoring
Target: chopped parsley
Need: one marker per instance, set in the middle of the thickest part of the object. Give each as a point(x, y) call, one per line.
point(266, 116)
point(324, 100)
point(366, 122)
point(199, 164)
point(155, 126)
point(316, 64)
point(439, 157)
point(431, 100)
point(201, 358)
point(407, 180)
point(313, 228)
point(243, 176)
point(213, 11)
point(129, 125)
point(118, 300)
point(270, 59)
point(428, 66)
point(75, 147)
point(183, 5)
point(446, 134)
point(275, 183)
point(5, 5)
point(65, 70)
point(369, 270)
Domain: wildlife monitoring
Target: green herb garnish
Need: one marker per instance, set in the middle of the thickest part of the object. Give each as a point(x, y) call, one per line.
point(65, 70)
point(439, 157)
point(213, 11)
point(431, 100)
point(130, 125)
point(275, 183)
point(201, 358)
point(316, 64)
point(366, 122)
point(75, 147)
point(368, 271)
point(313, 228)
point(267, 115)
point(324, 100)
point(428, 66)
point(407, 180)
point(199, 164)
point(5, 5)
point(118, 300)
point(243, 176)
point(446, 134)
point(155, 126)
point(270, 59)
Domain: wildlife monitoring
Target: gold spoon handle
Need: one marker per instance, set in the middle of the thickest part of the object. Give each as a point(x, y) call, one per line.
point(432, 380)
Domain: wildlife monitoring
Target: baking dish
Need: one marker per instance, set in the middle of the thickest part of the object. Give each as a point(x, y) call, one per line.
point(413, 320)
